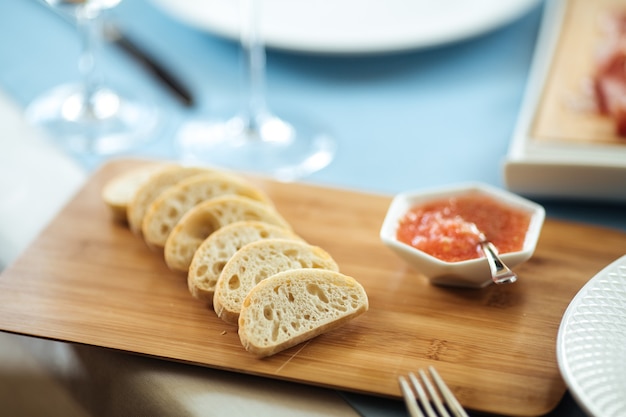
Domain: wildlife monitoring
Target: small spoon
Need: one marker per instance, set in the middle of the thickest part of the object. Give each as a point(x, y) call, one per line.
point(500, 273)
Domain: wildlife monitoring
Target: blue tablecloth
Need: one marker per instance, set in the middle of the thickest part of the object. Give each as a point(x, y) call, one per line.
point(401, 120)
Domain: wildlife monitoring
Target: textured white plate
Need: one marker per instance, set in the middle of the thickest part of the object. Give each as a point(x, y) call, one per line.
point(591, 344)
point(353, 26)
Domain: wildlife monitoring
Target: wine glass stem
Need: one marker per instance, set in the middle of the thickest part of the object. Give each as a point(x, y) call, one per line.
point(254, 55)
point(89, 29)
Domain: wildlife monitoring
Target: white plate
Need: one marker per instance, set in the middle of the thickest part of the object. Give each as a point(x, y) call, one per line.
point(584, 167)
point(353, 26)
point(591, 344)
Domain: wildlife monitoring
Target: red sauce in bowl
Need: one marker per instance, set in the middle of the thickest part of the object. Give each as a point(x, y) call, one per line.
point(445, 228)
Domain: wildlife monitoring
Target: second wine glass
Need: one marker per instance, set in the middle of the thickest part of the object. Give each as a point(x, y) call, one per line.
point(256, 140)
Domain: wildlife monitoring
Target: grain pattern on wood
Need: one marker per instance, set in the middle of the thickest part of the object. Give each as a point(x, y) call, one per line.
point(89, 280)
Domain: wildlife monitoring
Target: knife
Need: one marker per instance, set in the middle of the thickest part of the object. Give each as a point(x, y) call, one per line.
point(113, 34)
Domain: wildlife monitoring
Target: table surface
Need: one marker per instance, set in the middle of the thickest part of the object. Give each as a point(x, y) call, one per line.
point(401, 120)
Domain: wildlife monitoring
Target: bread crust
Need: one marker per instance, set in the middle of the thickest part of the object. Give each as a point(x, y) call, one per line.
point(216, 250)
point(119, 191)
point(284, 309)
point(170, 206)
point(257, 261)
point(152, 188)
point(207, 217)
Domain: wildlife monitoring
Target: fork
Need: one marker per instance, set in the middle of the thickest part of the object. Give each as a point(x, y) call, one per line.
point(420, 397)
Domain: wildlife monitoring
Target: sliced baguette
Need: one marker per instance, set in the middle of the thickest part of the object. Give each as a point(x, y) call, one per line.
point(170, 206)
point(151, 189)
point(210, 258)
point(207, 217)
point(120, 190)
point(297, 305)
point(257, 261)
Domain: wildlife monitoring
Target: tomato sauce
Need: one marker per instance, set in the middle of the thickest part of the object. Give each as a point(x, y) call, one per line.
point(450, 229)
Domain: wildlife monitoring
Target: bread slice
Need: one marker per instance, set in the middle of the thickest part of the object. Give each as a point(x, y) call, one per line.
point(297, 305)
point(152, 188)
point(210, 258)
point(207, 217)
point(118, 192)
point(257, 261)
point(170, 206)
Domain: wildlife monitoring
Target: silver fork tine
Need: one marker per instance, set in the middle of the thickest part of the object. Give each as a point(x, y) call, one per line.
point(433, 393)
point(420, 404)
point(421, 394)
point(453, 403)
point(409, 398)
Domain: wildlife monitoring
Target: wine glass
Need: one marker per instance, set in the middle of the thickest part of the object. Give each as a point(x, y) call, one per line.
point(88, 117)
point(256, 140)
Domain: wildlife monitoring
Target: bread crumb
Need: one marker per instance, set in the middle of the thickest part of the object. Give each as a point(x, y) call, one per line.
point(223, 332)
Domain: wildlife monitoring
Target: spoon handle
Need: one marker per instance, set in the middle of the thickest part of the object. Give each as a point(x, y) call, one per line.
point(500, 273)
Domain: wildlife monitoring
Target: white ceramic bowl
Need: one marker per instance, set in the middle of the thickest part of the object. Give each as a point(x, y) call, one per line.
point(473, 273)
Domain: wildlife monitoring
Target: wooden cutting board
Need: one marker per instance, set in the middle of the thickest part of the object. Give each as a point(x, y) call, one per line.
point(89, 280)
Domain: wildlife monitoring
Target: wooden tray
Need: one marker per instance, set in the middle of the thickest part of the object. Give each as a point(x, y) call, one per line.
point(573, 63)
point(89, 280)
point(559, 149)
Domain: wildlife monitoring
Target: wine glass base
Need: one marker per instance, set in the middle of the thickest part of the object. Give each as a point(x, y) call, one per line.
point(285, 150)
point(109, 123)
